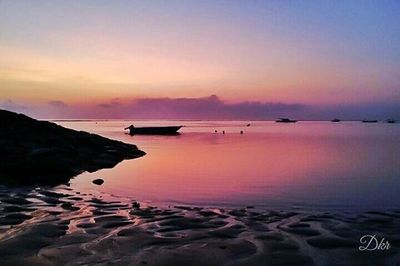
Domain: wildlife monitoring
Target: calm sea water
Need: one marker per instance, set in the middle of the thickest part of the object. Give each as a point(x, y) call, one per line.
point(306, 164)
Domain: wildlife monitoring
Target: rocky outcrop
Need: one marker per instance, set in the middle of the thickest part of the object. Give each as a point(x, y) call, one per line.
point(41, 152)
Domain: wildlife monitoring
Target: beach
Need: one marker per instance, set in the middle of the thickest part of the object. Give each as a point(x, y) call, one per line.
point(275, 195)
point(206, 133)
point(66, 227)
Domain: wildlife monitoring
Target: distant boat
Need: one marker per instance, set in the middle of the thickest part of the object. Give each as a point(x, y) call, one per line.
point(285, 120)
point(171, 130)
point(247, 125)
point(391, 121)
point(370, 121)
point(335, 120)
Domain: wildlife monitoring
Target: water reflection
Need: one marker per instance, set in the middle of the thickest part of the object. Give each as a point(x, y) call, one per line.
point(304, 164)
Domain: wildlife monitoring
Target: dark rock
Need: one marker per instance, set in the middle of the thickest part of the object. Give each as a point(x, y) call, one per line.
point(44, 153)
point(135, 205)
point(98, 181)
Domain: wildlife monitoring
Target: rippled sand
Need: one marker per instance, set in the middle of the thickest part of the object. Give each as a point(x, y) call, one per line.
point(45, 227)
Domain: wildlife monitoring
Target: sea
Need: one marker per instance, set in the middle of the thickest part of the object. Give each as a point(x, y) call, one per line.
point(305, 165)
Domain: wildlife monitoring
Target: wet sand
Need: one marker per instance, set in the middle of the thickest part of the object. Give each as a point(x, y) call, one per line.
point(67, 227)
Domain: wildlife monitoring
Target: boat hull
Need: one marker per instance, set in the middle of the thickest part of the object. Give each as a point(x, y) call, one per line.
point(291, 121)
point(172, 130)
point(285, 120)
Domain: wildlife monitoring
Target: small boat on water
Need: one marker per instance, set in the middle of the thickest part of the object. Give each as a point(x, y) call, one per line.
point(335, 120)
point(391, 121)
point(370, 121)
point(285, 120)
point(169, 130)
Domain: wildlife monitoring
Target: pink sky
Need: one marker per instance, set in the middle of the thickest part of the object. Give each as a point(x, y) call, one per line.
point(68, 58)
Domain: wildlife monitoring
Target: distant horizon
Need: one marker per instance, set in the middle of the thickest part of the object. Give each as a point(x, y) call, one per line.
point(152, 119)
point(203, 108)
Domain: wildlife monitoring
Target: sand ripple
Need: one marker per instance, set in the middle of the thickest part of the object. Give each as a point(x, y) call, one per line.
point(64, 227)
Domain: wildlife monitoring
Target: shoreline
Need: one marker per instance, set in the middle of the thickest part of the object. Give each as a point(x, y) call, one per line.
point(41, 152)
point(64, 226)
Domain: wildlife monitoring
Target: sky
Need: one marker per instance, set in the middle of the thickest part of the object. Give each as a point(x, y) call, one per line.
point(240, 59)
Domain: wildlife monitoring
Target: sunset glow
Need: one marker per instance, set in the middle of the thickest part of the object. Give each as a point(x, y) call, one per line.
point(199, 132)
point(84, 55)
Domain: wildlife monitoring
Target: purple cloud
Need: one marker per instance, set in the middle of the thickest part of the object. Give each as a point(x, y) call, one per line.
point(58, 104)
point(211, 107)
point(208, 108)
point(114, 103)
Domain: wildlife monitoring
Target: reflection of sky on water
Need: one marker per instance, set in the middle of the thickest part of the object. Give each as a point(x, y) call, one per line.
point(310, 163)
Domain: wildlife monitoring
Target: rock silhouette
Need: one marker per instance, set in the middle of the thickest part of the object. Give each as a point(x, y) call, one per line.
point(44, 153)
point(98, 181)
